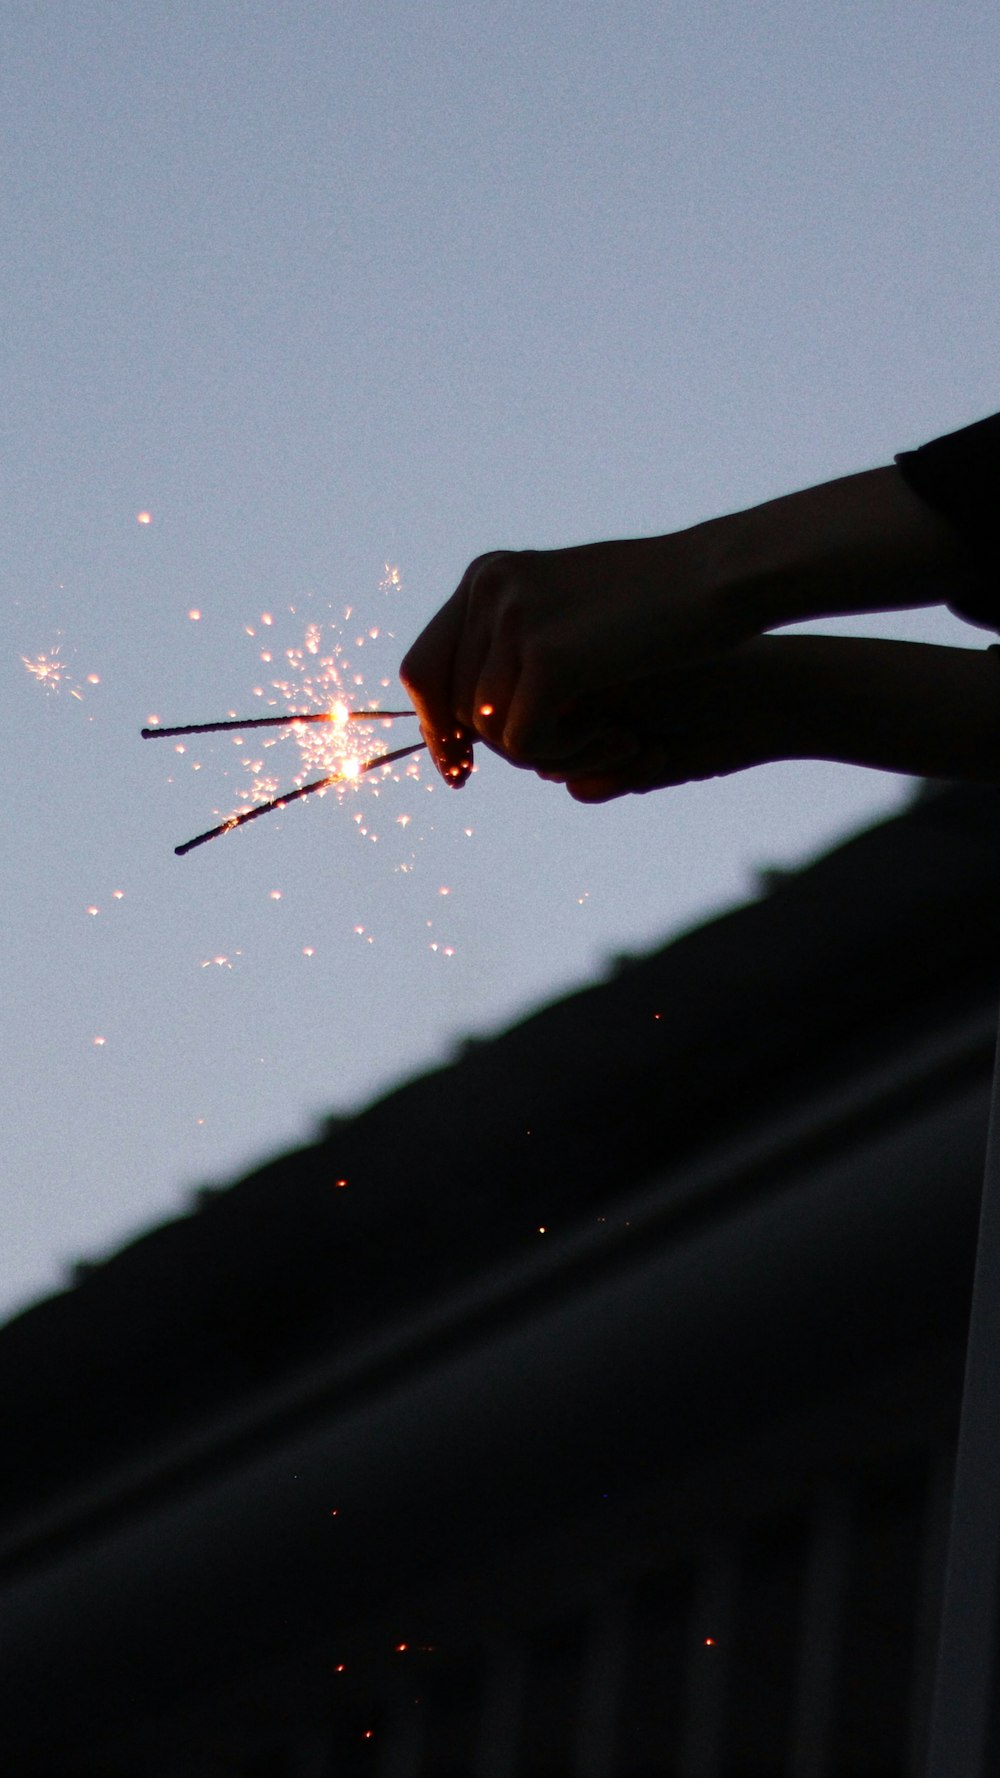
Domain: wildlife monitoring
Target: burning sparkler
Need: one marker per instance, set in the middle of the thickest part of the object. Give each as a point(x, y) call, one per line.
point(351, 769)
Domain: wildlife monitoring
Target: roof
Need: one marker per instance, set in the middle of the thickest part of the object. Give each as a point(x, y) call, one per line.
point(452, 1173)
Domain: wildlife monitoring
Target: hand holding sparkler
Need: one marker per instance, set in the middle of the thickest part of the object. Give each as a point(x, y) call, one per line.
point(536, 650)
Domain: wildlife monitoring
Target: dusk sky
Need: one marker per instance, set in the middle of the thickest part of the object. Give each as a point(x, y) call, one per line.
point(339, 296)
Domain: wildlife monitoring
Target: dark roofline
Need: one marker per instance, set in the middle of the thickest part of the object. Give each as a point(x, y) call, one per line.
point(889, 935)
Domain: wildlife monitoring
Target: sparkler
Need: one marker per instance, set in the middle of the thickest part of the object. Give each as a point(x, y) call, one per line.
point(338, 716)
point(216, 728)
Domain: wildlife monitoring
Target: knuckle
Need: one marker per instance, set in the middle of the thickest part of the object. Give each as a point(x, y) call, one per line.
point(496, 584)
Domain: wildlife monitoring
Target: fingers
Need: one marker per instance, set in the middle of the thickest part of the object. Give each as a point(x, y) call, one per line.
point(654, 770)
point(527, 655)
point(426, 672)
point(466, 674)
point(712, 748)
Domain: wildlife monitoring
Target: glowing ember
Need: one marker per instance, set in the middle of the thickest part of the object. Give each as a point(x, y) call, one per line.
point(144, 518)
point(48, 669)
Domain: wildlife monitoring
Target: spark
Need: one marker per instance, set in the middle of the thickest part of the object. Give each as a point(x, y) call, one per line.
point(335, 730)
point(48, 669)
point(290, 796)
point(144, 518)
point(195, 615)
point(99, 1042)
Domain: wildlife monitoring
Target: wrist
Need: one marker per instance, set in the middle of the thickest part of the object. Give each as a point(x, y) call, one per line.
point(864, 542)
point(911, 707)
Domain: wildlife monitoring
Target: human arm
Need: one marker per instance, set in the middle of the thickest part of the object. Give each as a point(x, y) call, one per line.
point(910, 707)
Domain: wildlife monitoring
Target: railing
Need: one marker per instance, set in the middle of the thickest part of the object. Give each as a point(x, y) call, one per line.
point(799, 1647)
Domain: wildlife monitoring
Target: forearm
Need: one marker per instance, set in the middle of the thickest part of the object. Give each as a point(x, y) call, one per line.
point(864, 542)
point(909, 707)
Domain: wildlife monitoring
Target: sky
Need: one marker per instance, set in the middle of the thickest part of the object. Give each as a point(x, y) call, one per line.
point(340, 297)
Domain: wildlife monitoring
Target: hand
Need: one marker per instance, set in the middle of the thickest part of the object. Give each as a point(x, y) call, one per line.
point(537, 649)
point(707, 721)
point(534, 646)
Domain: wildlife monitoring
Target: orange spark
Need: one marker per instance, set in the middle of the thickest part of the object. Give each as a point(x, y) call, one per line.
point(48, 669)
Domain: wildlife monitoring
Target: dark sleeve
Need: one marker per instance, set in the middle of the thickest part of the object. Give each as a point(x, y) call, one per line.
point(959, 475)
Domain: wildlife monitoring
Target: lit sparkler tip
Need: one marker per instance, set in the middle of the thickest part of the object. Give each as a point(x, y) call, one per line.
point(291, 796)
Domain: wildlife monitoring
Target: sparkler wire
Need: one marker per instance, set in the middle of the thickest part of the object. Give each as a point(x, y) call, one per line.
point(214, 728)
point(291, 796)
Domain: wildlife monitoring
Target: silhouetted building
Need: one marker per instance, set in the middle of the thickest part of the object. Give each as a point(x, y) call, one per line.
point(585, 1409)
